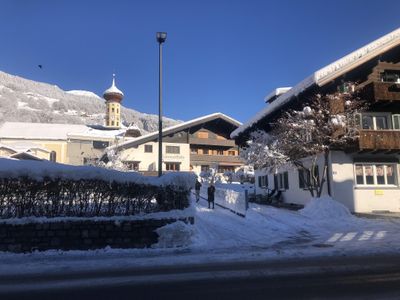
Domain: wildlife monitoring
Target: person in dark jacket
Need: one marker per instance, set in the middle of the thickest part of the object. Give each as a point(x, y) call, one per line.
point(197, 187)
point(210, 193)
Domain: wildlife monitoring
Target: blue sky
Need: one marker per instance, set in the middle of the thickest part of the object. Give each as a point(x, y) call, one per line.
point(220, 55)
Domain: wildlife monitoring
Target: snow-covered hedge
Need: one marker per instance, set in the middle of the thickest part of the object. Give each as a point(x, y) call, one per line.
point(41, 188)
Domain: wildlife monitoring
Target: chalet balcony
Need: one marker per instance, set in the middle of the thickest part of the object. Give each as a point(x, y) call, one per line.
point(382, 91)
point(376, 140)
point(212, 142)
point(225, 159)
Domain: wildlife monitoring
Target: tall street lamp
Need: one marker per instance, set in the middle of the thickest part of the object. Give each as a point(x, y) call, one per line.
point(161, 37)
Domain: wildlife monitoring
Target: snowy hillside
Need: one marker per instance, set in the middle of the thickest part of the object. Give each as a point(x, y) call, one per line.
point(23, 100)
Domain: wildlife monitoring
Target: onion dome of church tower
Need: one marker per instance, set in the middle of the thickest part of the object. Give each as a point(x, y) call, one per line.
point(113, 97)
point(113, 93)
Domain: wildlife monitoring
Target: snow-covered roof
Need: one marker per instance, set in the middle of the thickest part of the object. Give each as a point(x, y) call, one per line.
point(25, 155)
point(50, 131)
point(176, 128)
point(43, 131)
point(327, 74)
point(91, 132)
point(277, 92)
point(23, 146)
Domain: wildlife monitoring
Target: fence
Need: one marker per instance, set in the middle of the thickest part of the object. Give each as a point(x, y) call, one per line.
point(235, 201)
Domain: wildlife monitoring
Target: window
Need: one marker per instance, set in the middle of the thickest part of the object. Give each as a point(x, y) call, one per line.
point(132, 165)
point(90, 161)
point(112, 123)
point(205, 168)
point(205, 151)
point(223, 169)
point(367, 122)
point(148, 148)
point(231, 152)
point(381, 122)
point(281, 181)
point(263, 181)
point(112, 109)
point(202, 135)
point(390, 76)
point(375, 174)
point(100, 144)
point(172, 166)
point(396, 121)
point(306, 179)
point(375, 122)
point(117, 110)
point(220, 152)
point(193, 150)
point(172, 149)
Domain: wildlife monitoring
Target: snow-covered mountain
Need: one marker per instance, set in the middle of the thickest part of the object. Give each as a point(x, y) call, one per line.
point(23, 100)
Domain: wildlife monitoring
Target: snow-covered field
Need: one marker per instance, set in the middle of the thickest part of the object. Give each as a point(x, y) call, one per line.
point(323, 228)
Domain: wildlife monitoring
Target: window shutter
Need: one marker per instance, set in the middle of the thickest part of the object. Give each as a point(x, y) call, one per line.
point(301, 179)
point(259, 181)
point(276, 182)
point(286, 180)
point(266, 180)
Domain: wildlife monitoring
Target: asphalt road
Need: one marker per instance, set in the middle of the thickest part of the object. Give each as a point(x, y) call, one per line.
point(318, 278)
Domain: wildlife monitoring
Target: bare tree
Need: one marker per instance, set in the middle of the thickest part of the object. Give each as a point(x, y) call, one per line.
point(323, 123)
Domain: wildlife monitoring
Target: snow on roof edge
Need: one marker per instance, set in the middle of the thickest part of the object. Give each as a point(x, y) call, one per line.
point(276, 92)
point(327, 73)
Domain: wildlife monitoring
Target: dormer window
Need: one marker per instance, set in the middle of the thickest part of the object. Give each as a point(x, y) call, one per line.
point(390, 76)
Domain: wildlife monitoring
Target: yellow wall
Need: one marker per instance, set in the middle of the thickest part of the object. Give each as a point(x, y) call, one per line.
point(60, 147)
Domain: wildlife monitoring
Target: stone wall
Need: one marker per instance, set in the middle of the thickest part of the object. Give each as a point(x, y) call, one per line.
point(81, 235)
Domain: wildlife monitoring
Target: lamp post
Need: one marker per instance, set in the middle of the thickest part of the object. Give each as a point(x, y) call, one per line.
point(161, 37)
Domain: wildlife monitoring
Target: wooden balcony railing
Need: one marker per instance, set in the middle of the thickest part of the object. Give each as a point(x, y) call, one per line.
point(379, 140)
point(382, 91)
point(226, 159)
point(212, 142)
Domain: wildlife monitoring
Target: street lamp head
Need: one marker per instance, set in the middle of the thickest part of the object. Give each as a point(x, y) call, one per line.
point(161, 37)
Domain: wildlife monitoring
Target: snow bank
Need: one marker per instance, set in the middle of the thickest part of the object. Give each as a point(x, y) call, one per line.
point(325, 208)
point(177, 234)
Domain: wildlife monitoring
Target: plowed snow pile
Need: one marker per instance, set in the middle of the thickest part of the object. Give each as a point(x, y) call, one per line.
point(177, 234)
point(325, 208)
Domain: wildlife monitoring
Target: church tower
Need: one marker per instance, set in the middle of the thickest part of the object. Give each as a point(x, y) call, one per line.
point(113, 97)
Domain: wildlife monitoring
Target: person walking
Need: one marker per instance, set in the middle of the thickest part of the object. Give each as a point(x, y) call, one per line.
point(197, 187)
point(210, 193)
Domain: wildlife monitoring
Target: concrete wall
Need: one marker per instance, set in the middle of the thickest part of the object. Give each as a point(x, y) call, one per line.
point(81, 235)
